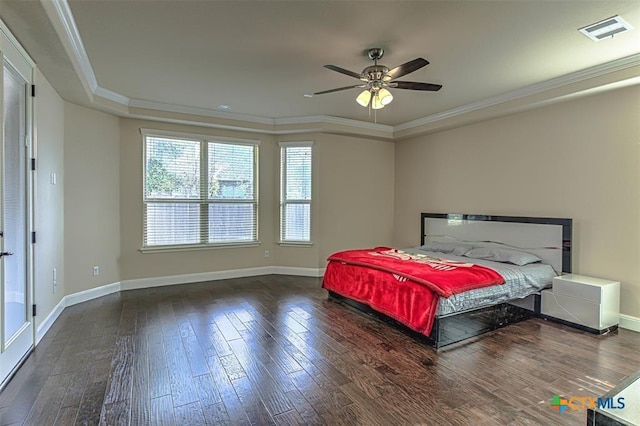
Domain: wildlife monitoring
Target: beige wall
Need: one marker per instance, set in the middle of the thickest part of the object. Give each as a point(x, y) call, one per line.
point(346, 211)
point(49, 198)
point(91, 198)
point(136, 264)
point(356, 193)
point(577, 159)
point(352, 198)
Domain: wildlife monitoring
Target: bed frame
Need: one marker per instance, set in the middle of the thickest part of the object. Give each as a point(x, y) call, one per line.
point(548, 238)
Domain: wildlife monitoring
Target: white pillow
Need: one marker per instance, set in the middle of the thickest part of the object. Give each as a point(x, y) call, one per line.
point(501, 254)
point(457, 249)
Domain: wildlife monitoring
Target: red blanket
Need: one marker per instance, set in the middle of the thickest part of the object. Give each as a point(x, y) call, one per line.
point(401, 285)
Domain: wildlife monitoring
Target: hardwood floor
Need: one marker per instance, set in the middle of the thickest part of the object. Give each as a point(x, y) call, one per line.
point(274, 350)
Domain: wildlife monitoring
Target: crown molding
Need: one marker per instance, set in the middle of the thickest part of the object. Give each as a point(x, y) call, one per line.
point(554, 83)
point(278, 124)
point(205, 112)
point(62, 19)
point(181, 114)
point(338, 121)
point(112, 96)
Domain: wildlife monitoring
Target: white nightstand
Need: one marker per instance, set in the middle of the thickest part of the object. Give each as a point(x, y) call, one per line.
point(589, 303)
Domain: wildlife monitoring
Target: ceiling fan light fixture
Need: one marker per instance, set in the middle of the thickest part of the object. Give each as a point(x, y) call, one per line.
point(376, 102)
point(376, 79)
point(364, 98)
point(385, 96)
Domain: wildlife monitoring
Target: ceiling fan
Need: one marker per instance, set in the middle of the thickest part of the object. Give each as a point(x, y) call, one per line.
point(377, 79)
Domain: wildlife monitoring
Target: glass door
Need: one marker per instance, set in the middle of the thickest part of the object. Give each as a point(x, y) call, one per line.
point(16, 323)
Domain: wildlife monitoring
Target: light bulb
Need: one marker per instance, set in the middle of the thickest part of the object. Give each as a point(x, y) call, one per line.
point(385, 96)
point(375, 103)
point(364, 98)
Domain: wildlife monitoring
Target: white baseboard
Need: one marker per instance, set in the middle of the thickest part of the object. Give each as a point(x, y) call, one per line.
point(630, 323)
point(70, 300)
point(49, 320)
point(93, 293)
point(83, 296)
point(300, 272)
point(218, 275)
point(194, 278)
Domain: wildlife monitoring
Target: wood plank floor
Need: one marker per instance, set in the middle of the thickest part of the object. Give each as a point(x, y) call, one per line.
point(273, 350)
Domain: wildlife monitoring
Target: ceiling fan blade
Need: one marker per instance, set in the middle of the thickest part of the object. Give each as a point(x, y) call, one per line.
point(412, 85)
point(339, 89)
point(342, 71)
point(406, 68)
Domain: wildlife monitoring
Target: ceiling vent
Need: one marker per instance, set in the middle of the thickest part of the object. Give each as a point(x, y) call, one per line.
point(606, 28)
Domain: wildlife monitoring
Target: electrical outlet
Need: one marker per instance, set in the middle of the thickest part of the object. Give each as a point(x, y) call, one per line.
point(96, 270)
point(266, 254)
point(55, 280)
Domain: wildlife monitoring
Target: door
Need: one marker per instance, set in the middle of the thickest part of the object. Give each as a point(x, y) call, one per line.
point(16, 322)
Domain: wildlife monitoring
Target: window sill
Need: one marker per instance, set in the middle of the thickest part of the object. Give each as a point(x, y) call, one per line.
point(162, 249)
point(295, 243)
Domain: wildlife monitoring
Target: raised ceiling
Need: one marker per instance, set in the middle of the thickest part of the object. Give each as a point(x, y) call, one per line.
point(261, 57)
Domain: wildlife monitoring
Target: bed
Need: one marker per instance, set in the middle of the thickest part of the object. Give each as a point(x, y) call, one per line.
point(399, 292)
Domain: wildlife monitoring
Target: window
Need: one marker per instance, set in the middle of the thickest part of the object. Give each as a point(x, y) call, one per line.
point(199, 191)
point(295, 192)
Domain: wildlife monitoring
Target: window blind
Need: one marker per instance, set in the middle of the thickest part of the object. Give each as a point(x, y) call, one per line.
point(295, 189)
point(199, 192)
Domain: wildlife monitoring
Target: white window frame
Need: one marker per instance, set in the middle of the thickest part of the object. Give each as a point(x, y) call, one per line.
point(204, 201)
point(284, 202)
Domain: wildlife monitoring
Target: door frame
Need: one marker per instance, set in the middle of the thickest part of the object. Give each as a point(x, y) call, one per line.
point(14, 54)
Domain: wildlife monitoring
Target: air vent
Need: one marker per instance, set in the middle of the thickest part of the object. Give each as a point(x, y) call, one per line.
point(606, 28)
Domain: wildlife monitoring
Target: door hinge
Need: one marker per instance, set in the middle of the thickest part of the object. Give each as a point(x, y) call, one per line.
point(33, 164)
point(33, 237)
point(33, 314)
point(33, 90)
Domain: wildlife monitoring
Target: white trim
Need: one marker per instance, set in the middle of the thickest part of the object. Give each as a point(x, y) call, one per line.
point(70, 300)
point(554, 83)
point(238, 128)
point(292, 243)
point(275, 122)
point(112, 96)
point(205, 112)
point(62, 19)
point(218, 275)
point(92, 293)
point(191, 136)
point(204, 198)
point(46, 324)
point(300, 272)
point(630, 323)
point(193, 247)
point(329, 119)
point(16, 62)
point(284, 186)
point(294, 144)
point(194, 278)
point(16, 44)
